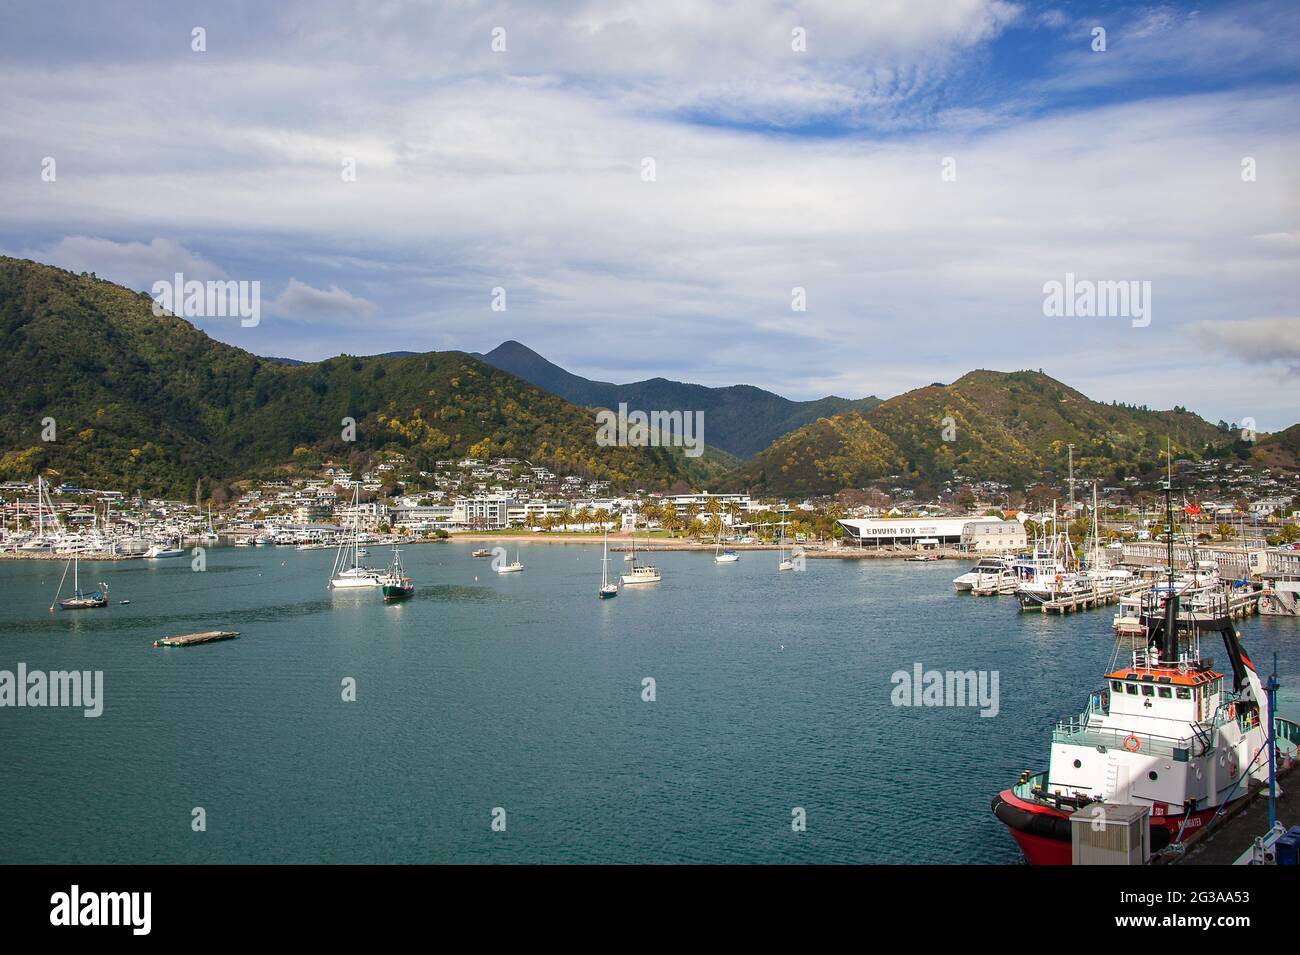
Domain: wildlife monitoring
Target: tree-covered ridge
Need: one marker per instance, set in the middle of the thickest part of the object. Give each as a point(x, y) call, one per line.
point(1012, 427)
point(153, 403)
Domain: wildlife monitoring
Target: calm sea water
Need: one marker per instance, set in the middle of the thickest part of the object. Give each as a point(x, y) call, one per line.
point(524, 692)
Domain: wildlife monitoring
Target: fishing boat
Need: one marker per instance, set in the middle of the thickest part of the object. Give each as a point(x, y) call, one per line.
point(348, 573)
point(80, 600)
point(1167, 730)
point(640, 573)
point(514, 568)
point(607, 589)
point(481, 552)
point(397, 586)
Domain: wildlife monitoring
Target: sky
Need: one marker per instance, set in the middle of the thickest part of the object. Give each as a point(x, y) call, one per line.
point(921, 170)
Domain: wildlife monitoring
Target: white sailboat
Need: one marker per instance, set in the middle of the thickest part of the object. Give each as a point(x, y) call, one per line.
point(348, 572)
point(607, 589)
point(723, 555)
point(209, 534)
point(783, 562)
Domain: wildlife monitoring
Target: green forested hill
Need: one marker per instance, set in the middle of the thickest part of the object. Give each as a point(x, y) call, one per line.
point(153, 403)
point(1280, 450)
point(1012, 427)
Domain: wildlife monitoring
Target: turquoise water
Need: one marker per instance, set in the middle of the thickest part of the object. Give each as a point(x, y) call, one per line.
point(524, 692)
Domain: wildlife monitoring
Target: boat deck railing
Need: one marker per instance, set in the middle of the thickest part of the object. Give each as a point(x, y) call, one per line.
point(1076, 731)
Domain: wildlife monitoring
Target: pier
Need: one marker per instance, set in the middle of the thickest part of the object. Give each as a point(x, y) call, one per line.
point(1098, 595)
point(194, 639)
point(1236, 831)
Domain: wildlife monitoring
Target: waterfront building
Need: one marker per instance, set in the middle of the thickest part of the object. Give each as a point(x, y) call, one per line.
point(910, 532)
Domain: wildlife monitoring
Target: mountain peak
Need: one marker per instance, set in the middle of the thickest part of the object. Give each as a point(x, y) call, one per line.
point(739, 419)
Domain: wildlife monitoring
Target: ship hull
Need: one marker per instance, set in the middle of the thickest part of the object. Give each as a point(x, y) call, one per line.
point(1043, 832)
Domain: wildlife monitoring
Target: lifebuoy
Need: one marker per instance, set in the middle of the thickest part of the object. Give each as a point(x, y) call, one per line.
point(1132, 743)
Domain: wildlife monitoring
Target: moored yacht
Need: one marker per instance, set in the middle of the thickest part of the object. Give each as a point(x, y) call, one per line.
point(989, 573)
point(162, 550)
point(348, 572)
point(607, 588)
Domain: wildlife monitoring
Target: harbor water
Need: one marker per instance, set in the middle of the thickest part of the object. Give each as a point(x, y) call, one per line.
point(772, 693)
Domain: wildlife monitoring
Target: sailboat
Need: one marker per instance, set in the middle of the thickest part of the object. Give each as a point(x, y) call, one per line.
point(783, 562)
point(607, 589)
point(209, 534)
point(348, 571)
point(397, 586)
point(723, 555)
point(79, 600)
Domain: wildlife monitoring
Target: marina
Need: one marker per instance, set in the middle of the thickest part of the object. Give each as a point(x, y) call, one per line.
point(815, 648)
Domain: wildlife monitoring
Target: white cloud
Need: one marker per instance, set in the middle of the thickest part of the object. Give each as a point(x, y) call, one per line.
point(522, 170)
point(1258, 341)
point(301, 302)
point(136, 265)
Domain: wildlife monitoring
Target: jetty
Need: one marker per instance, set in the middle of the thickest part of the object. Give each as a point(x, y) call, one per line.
point(1099, 595)
point(194, 639)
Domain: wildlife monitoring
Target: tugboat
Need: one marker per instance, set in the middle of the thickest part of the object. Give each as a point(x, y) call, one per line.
point(397, 586)
point(1167, 731)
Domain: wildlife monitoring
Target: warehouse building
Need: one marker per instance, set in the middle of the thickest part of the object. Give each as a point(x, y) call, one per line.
point(918, 533)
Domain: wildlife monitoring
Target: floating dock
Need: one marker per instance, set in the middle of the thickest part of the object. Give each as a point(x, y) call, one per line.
point(194, 639)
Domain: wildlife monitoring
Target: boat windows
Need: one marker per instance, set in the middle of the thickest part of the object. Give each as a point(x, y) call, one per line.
point(1130, 689)
point(1153, 775)
point(1117, 686)
point(1165, 693)
point(1148, 691)
point(1184, 693)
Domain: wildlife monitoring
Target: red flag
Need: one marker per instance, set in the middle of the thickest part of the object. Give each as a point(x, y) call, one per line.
point(1192, 509)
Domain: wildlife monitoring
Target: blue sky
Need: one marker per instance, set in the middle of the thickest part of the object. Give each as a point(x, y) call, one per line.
point(774, 169)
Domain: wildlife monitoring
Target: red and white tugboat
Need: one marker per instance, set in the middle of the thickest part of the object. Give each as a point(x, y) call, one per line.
point(1168, 731)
